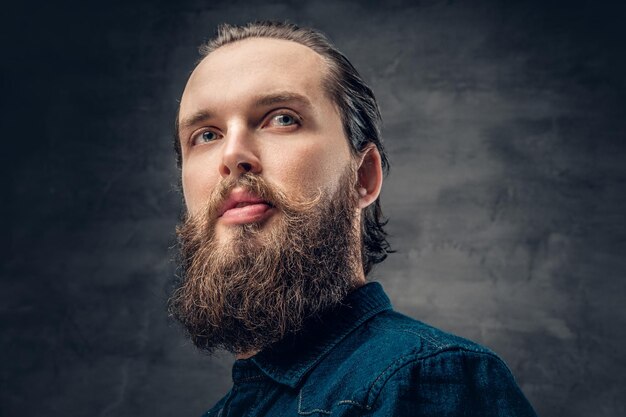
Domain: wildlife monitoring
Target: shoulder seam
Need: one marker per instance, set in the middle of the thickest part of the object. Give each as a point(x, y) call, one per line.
point(404, 360)
point(432, 341)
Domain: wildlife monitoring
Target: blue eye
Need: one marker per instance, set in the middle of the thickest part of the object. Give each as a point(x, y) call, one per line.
point(205, 137)
point(208, 136)
point(284, 120)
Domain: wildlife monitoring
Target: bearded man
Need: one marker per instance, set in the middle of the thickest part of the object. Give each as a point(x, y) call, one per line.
point(282, 164)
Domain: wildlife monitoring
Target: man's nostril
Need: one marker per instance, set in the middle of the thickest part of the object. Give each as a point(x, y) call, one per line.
point(245, 166)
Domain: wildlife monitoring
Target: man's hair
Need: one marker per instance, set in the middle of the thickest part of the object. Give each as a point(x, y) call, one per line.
point(355, 101)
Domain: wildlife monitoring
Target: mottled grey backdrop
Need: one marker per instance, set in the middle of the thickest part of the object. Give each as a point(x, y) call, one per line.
point(505, 123)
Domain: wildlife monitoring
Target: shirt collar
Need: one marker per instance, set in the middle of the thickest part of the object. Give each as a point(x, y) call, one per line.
point(289, 360)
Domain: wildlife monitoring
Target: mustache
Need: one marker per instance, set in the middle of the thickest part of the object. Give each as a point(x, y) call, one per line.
point(261, 188)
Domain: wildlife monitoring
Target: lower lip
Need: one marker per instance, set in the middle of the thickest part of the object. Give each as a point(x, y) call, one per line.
point(252, 213)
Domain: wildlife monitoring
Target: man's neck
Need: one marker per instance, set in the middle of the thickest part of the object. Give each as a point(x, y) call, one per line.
point(246, 355)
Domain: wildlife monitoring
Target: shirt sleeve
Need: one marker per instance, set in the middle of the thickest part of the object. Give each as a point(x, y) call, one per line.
point(452, 383)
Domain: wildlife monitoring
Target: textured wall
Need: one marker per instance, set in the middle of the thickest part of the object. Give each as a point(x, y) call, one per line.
point(507, 196)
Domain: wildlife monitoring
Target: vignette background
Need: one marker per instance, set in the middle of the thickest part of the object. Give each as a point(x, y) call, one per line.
point(505, 123)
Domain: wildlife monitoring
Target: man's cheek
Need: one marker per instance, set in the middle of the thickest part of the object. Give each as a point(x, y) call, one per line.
point(197, 188)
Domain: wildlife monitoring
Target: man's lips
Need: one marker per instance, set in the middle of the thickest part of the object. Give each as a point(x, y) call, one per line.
point(242, 207)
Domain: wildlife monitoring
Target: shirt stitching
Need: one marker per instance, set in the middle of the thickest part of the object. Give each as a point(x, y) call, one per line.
point(391, 366)
point(352, 402)
point(427, 338)
point(305, 413)
point(319, 410)
point(416, 358)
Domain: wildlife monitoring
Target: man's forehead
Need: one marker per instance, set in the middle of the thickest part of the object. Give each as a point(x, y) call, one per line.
point(279, 52)
point(255, 65)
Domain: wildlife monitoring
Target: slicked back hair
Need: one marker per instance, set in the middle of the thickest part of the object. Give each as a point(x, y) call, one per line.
point(355, 101)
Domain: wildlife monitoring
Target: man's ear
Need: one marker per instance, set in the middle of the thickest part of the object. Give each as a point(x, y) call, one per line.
point(370, 176)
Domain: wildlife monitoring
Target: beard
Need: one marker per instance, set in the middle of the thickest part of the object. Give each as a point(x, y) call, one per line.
point(259, 283)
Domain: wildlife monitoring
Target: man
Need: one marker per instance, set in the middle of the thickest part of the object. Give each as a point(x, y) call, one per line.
point(282, 165)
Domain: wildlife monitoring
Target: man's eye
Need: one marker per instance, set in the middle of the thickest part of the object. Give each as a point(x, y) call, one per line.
point(283, 120)
point(205, 137)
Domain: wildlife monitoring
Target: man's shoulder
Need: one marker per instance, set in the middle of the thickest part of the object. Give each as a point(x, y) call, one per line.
point(391, 334)
point(390, 345)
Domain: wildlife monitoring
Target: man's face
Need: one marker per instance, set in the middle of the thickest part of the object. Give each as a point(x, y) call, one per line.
point(271, 237)
point(259, 106)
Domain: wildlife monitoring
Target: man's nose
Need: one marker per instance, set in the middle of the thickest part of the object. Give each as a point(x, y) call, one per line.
point(239, 154)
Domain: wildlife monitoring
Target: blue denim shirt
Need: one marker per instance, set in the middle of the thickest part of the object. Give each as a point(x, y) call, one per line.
point(364, 359)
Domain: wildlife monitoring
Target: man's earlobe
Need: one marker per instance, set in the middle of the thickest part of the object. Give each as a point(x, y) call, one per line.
point(370, 176)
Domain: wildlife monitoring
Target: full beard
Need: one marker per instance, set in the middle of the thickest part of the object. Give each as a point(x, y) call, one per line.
point(259, 283)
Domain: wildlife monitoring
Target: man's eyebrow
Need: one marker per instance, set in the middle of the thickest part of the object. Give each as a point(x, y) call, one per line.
point(194, 119)
point(282, 97)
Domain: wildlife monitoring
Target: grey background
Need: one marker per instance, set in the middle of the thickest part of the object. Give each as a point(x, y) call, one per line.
point(505, 123)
